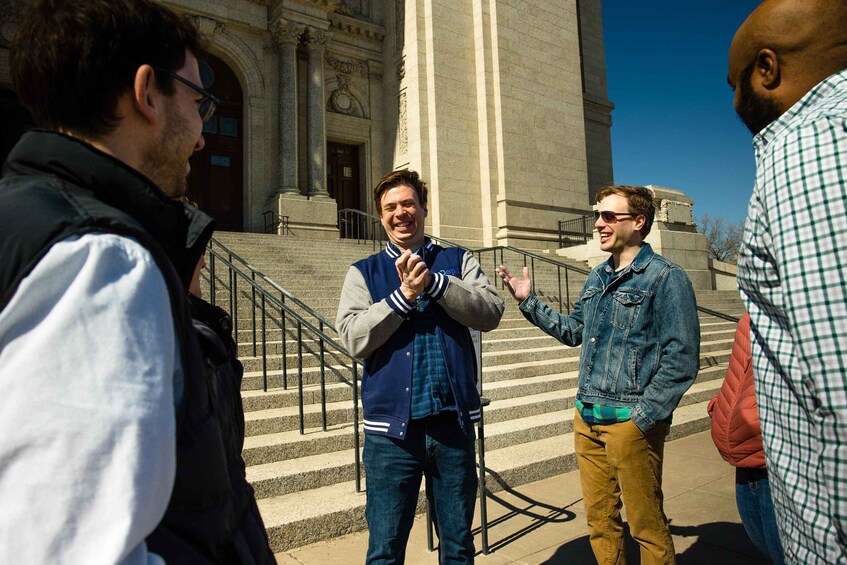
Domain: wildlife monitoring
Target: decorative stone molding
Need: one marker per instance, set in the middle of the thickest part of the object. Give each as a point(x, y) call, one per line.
point(245, 62)
point(323, 6)
point(672, 206)
point(596, 110)
point(343, 8)
point(402, 126)
point(287, 32)
point(347, 67)
point(356, 28)
point(317, 38)
point(401, 70)
point(342, 101)
point(207, 26)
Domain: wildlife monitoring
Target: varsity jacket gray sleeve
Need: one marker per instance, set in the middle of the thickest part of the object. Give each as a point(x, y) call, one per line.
point(472, 300)
point(364, 326)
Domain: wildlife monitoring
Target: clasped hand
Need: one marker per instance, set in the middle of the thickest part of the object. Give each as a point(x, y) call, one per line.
point(414, 274)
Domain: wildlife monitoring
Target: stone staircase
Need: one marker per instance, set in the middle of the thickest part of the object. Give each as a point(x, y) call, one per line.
point(305, 482)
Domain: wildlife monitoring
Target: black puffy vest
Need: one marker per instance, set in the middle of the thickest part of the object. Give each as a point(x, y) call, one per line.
point(54, 187)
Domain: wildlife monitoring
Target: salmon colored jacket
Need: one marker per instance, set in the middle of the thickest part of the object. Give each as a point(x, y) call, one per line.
point(735, 417)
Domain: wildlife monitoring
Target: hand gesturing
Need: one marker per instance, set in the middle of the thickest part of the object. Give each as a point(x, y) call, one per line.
point(518, 288)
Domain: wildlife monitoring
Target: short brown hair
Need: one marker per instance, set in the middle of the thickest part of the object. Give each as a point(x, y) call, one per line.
point(71, 61)
point(639, 199)
point(403, 177)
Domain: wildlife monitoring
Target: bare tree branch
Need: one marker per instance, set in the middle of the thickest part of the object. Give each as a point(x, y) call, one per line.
point(723, 238)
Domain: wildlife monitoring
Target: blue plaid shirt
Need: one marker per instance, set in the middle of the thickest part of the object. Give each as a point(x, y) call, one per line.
point(431, 392)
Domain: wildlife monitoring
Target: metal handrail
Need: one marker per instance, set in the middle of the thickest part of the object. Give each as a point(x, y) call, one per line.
point(576, 231)
point(256, 273)
point(361, 226)
point(263, 300)
point(718, 314)
point(564, 272)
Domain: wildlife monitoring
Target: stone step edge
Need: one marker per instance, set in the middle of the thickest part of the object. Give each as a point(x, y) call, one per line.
point(297, 519)
point(345, 457)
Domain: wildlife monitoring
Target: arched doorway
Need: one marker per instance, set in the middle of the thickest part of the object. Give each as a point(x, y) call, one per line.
point(16, 121)
point(216, 181)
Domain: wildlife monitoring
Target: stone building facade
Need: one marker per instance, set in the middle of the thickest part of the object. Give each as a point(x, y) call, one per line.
point(500, 104)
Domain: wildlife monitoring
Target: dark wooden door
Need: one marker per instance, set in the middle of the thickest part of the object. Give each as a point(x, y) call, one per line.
point(217, 172)
point(342, 179)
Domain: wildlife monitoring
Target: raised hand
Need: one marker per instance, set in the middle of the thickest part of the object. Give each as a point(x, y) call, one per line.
point(518, 288)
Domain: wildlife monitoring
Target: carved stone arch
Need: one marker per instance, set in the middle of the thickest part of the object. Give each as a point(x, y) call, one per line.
point(238, 55)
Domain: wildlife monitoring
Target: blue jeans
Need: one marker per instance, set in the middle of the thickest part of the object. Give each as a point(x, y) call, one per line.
point(436, 447)
point(753, 497)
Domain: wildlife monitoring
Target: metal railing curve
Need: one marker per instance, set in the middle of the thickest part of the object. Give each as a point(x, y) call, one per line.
point(272, 305)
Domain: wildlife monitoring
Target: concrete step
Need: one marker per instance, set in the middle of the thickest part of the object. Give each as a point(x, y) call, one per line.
point(303, 517)
point(510, 419)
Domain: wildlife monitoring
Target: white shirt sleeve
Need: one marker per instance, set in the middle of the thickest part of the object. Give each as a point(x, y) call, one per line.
point(88, 448)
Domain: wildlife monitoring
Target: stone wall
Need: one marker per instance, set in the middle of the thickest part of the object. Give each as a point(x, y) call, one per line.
point(483, 97)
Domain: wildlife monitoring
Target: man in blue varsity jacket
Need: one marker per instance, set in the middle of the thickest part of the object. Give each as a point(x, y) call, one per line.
point(406, 311)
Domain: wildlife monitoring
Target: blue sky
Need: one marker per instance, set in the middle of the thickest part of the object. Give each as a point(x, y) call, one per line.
point(673, 124)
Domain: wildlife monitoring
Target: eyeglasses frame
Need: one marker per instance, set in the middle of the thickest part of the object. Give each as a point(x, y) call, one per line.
point(208, 103)
point(598, 214)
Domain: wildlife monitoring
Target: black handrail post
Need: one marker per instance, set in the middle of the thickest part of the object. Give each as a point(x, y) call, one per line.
point(323, 379)
point(483, 489)
point(300, 376)
point(430, 546)
point(253, 296)
point(212, 283)
point(234, 301)
point(284, 344)
point(356, 426)
point(231, 275)
point(264, 346)
point(533, 270)
point(568, 302)
point(559, 276)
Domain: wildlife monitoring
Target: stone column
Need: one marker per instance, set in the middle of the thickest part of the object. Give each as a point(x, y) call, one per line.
point(287, 36)
point(316, 128)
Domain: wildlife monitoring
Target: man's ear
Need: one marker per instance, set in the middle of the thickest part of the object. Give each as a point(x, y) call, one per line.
point(766, 70)
point(639, 222)
point(146, 96)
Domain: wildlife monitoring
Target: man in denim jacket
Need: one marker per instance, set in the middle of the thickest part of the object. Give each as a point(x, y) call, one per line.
point(637, 317)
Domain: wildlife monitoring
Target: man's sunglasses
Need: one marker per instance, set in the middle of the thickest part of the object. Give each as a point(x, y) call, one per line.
point(207, 104)
point(610, 217)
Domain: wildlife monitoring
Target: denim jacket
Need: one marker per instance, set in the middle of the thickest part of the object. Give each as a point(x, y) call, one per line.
point(640, 336)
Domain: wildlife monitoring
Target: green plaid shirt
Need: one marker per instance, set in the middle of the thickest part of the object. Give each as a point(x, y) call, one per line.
point(792, 273)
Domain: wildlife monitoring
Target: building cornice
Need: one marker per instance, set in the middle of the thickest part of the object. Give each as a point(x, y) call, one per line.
point(358, 29)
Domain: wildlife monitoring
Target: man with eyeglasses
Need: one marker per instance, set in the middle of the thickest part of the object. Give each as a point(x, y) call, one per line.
point(636, 320)
point(112, 450)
